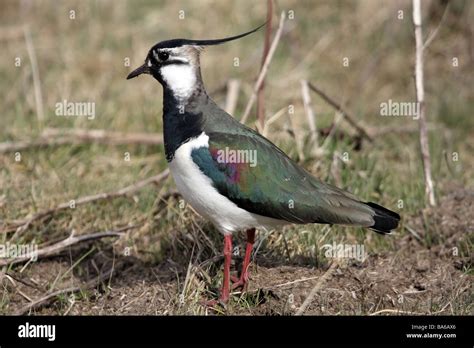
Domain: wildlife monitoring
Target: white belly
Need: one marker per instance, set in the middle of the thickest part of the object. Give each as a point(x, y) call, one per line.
point(197, 190)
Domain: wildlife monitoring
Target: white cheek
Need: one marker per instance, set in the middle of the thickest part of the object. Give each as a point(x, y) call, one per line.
point(181, 79)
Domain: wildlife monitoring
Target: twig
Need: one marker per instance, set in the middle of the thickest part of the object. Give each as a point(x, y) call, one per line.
point(11, 146)
point(435, 32)
point(264, 69)
point(105, 137)
point(64, 136)
point(413, 232)
point(48, 298)
point(309, 112)
point(132, 301)
point(313, 139)
point(335, 169)
point(233, 87)
point(63, 244)
point(23, 224)
point(420, 98)
point(272, 120)
point(291, 283)
point(30, 283)
point(317, 287)
point(17, 288)
point(36, 77)
point(72, 303)
point(349, 118)
point(398, 311)
point(266, 47)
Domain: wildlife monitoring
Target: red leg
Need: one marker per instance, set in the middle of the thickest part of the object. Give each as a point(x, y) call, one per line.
point(225, 292)
point(244, 276)
point(227, 260)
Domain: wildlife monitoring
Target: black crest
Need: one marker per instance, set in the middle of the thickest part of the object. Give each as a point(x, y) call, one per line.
point(181, 42)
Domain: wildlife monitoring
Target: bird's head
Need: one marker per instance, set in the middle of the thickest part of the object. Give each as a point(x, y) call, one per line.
point(175, 63)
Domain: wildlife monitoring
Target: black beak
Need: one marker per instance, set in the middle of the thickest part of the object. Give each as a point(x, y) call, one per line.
point(138, 71)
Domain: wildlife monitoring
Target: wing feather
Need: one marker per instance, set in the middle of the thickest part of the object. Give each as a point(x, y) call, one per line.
point(274, 185)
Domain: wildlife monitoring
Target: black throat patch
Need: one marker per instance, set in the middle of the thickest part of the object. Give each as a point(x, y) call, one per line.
point(179, 124)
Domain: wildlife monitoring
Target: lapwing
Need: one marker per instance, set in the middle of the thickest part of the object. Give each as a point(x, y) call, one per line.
point(232, 175)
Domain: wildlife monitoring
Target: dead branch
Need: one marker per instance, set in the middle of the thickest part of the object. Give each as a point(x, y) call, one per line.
point(24, 224)
point(395, 311)
point(17, 288)
point(309, 114)
point(347, 116)
point(398, 311)
point(266, 47)
point(264, 69)
point(11, 146)
point(56, 248)
point(21, 278)
point(63, 136)
point(420, 98)
point(272, 120)
point(414, 233)
point(335, 168)
point(318, 287)
point(290, 283)
point(105, 137)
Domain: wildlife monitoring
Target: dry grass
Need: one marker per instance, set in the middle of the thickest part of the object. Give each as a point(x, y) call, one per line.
point(172, 261)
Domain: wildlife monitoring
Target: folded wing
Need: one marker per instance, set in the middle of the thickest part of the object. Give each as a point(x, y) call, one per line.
point(257, 176)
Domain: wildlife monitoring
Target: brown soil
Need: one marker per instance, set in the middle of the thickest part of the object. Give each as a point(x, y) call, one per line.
point(414, 278)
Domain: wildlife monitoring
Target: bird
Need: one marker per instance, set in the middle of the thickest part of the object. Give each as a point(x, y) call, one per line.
point(229, 173)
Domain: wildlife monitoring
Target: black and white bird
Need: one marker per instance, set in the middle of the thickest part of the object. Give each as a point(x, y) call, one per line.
point(234, 193)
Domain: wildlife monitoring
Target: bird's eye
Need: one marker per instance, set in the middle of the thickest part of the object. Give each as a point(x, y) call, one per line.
point(163, 56)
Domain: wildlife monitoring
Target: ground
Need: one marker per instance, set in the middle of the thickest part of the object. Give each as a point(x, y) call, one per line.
point(360, 53)
point(413, 279)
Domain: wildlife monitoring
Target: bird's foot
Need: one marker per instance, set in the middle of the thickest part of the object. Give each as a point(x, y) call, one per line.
point(223, 300)
point(240, 283)
point(208, 303)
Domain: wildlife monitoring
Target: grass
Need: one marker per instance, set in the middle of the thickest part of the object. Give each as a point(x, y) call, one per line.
point(83, 60)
